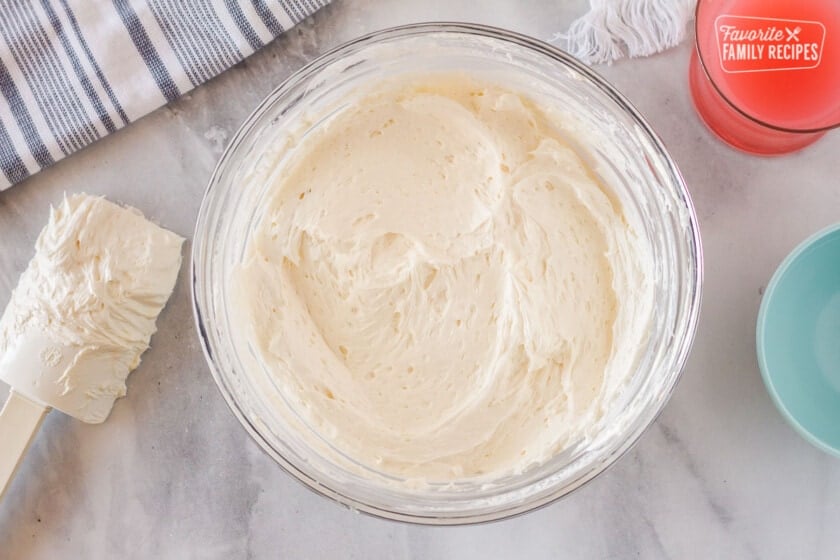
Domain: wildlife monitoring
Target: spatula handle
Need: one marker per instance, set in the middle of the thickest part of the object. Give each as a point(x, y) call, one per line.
point(20, 419)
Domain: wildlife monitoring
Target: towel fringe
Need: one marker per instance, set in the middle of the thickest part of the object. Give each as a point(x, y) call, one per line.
point(613, 29)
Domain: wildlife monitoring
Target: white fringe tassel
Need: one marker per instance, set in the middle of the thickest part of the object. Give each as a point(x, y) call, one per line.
point(615, 28)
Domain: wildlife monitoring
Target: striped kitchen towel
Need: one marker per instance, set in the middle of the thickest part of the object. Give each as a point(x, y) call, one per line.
point(73, 71)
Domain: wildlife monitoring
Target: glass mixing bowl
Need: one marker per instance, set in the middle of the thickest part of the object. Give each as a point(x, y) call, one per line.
point(622, 151)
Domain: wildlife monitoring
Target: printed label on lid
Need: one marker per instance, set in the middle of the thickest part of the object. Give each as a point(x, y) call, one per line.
point(759, 44)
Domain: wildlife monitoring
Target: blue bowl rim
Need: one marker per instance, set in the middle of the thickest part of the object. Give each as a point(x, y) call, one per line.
point(763, 366)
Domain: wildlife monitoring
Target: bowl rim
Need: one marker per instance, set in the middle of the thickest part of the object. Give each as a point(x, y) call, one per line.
point(693, 297)
point(761, 330)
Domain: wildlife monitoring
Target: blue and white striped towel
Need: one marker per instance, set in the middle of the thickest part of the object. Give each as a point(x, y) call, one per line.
point(73, 71)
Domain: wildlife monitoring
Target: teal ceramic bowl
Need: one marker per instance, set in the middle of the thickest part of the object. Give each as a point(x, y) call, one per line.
point(798, 339)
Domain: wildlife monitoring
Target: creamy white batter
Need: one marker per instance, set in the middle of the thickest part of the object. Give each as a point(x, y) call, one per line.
point(84, 310)
point(441, 287)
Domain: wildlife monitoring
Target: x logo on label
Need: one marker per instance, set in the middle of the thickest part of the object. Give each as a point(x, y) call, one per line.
point(793, 34)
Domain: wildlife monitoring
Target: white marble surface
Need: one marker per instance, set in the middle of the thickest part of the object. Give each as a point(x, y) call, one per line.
point(172, 475)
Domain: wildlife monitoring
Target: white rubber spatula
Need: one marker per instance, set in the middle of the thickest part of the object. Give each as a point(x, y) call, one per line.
point(20, 419)
point(82, 314)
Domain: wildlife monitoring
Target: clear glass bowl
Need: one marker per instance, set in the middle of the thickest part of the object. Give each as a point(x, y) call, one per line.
point(621, 149)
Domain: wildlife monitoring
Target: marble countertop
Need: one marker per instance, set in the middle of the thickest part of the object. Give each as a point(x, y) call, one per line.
point(172, 475)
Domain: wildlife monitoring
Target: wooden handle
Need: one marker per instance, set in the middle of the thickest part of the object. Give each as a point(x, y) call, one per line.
point(19, 422)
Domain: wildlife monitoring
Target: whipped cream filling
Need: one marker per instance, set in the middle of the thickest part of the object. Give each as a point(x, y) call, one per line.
point(85, 308)
point(440, 287)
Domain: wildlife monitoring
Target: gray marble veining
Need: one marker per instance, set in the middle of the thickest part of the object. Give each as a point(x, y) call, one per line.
point(172, 475)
